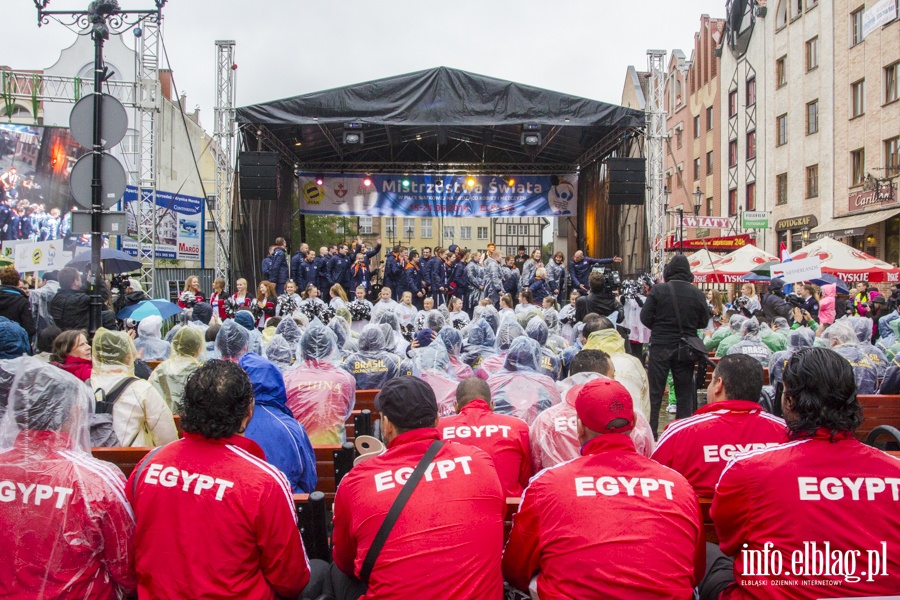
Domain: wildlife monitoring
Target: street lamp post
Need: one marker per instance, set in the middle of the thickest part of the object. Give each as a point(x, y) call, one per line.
point(680, 210)
point(698, 200)
point(101, 17)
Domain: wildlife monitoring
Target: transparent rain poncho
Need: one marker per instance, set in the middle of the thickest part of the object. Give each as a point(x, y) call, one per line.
point(150, 339)
point(280, 353)
point(232, 341)
point(841, 338)
point(432, 365)
point(345, 342)
point(525, 317)
point(373, 365)
point(480, 344)
point(555, 339)
point(539, 332)
point(492, 317)
point(863, 328)
point(508, 331)
point(290, 331)
point(140, 415)
point(519, 389)
point(434, 320)
point(245, 319)
point(751, 344)
point(734, 325)
point(802, 337)
point(67, 529)
point(319, 393)
point(170, 376)
point(452, 341)
point(171, 334)
point(390, 319)
point(8, 369)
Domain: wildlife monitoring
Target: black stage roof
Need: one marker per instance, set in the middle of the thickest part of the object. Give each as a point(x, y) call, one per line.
point(439, 119)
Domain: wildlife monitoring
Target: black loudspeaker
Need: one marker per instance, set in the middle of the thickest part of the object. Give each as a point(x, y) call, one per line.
point(627, 180)
point(259, 175)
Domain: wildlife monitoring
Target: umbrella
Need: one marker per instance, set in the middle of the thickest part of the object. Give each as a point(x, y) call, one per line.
point(753, 276)
point(743, 260)
point(147, 308)
point(112, 260)
point(765, 268)
point(828, 278)
point(847, 262)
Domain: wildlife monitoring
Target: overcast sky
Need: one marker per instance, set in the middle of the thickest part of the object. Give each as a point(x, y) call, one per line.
point(290, 47)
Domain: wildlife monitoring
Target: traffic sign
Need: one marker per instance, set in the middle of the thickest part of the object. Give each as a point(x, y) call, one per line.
point(111, 222)
point(113, 121)
point(112, 180)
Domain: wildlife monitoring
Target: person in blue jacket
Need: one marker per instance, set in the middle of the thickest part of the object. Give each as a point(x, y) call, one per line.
point(273, 427)
point(297, 261)
point(580, 269)
point(323, 275)
point(457, 280)
point(308, 271)
point(279, 269)
point(339, 268)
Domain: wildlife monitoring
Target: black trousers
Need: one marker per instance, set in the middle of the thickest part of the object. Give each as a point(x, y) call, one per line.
point(342, 586)
point(719, 573)
point(663, 359)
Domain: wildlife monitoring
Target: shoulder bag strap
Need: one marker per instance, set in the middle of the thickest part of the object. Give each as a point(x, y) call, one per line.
point(396, 508)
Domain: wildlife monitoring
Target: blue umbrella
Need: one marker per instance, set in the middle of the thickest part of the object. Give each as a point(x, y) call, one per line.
point(112, 260)
point(147, 308)
point(755, 277)
point(828, 278)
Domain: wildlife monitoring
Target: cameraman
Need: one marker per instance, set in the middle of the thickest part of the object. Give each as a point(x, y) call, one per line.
point(773, 303)
point(601, 299)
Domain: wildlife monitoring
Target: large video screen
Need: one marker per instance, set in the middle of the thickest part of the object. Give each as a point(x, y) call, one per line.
point(35, 164)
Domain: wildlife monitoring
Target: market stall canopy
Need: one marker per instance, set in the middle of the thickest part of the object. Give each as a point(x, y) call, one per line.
point(701, 261)
point(847, 262)
point(441, 115)
point(743, 261)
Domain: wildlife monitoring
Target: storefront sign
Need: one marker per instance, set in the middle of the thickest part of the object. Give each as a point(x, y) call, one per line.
point(704, 222)
point(877, 198)
point(756, 220)
point(714, 244)
point(809, 221)
point(840, 233)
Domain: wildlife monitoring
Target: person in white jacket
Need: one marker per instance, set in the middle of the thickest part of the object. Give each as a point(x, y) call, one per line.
point(140, 415)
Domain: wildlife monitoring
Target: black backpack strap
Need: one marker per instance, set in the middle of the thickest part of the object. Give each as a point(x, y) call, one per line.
point(105, 404)
point(396, 508)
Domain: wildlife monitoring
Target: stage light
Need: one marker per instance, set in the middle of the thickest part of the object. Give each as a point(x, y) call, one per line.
point(470, 182)
point(353, 134)
point(511, 182)
point(405, 183)
point(319, 180)
point(531, 134)
point(367, 182)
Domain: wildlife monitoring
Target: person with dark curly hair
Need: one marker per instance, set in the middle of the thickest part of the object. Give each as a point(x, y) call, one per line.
point(823, 488)
point(213, 497)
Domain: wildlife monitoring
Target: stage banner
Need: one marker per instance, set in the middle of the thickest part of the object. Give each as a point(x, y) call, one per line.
point(179, 231)
point(438, 195)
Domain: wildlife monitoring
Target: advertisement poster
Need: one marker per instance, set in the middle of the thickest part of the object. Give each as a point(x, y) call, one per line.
point(179, 224)
point(397, 195)
point(40, 256)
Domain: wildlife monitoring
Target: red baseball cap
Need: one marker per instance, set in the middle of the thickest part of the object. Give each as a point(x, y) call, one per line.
point(602, 401)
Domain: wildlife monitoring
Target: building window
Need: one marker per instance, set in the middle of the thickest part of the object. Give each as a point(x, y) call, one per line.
point(812, 54)
point(751, 197)
point(426, 228)
point(709, 118)
point(709, 163)
point(798, 8)
point(668, 181)
point(390, 226)
point(812, 181)
point(751, 91)
point(856, 26)
point(732, 103)
point(465, 233)
point(365, 225)
point(697, 127)
point(732, 153)
point(523, 229)
point(812, 117)
point(751, 144)
point(892, 157)
point(409, 228)
point(781, 130)
point(810, 4)
point(678, 133)
point(781, 188)
point(449, 232)
point(696, 169)
point(892, 82)
point(858, 162)
point(709, 207)
point(781, 71)
point(781, 14)
point(858, 92)
point(482, 233)
point(732, 202)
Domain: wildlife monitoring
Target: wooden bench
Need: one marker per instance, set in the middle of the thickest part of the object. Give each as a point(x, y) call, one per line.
point(512, 507)
point(152, 364)
point(365, 399)
point(124, 458)
point(709, 527)
point(878, 410)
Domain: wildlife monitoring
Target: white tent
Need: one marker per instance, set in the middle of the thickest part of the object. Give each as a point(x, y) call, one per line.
point(743, 260)
point(847, 262)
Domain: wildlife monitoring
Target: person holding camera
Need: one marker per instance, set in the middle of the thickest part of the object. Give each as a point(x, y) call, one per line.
point(580, 269)
point(602, 298)
point(673, 312)
point(773, 303)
